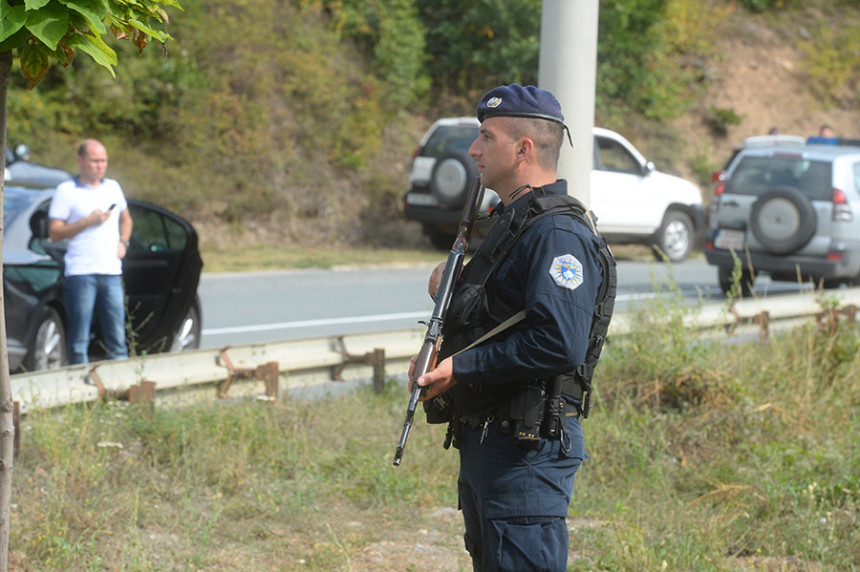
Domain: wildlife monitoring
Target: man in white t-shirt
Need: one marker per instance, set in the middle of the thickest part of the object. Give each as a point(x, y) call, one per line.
point(92, 213)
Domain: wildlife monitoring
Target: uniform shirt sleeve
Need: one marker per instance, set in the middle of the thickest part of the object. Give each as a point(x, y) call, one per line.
point(554, 273)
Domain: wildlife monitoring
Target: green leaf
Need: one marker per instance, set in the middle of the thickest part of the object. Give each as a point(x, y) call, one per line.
point(11, 20)
point(96, 48)
point(17, 39)
point(49, 24)
point(35, 4)
point(93, 17)
point(160, 36)
point(35, 62)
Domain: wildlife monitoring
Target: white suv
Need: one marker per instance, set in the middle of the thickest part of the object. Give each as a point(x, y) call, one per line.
point(634, 203)
point(790, 211)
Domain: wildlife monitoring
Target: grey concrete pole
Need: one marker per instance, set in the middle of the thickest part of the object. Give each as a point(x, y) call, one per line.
point(568, 68)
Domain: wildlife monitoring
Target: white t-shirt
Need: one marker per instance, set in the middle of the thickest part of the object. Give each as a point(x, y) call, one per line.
point(93, 251)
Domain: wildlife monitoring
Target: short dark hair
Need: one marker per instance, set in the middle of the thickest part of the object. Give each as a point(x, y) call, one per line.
point(546, 135)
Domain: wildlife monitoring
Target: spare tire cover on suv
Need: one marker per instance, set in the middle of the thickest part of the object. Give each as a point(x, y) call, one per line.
point(451, 178)
point(783, 220)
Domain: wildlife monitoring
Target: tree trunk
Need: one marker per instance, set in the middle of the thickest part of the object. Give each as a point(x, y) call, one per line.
point(7, 426)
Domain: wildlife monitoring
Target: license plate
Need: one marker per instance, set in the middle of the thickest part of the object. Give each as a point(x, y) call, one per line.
point(730, 239)
point(422, 199)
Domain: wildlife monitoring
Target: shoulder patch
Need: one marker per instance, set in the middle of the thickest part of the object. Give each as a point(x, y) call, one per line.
point(566, 271)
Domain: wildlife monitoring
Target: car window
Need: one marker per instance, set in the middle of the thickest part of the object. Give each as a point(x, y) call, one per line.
point(615, 157)
point(755, 175)
point(450, 138)
point(154, 232)
point(13, 205)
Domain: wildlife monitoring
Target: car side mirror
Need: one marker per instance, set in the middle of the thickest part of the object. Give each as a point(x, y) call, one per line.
point(649, 168)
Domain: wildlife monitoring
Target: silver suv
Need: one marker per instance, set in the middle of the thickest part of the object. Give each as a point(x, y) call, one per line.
point(791, 211)
point(635, 203)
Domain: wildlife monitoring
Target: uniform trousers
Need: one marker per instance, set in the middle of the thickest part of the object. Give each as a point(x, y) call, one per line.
point(514, 500)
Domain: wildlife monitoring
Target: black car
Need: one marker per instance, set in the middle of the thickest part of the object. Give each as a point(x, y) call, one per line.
point(161, 272)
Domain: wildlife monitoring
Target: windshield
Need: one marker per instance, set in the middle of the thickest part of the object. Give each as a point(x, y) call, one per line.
point(14, 203)
point(756, 175)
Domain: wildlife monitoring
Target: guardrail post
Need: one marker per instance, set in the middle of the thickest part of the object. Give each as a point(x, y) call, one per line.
point(143, 394)
point(763, 320)
point(376, 358)
point(851, 311)
point(378, 370)
point(267, 372)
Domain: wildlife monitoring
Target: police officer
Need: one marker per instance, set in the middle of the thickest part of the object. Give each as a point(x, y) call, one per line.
point(516, 467)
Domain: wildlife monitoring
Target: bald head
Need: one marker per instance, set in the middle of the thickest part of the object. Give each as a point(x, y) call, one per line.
point(92, 162)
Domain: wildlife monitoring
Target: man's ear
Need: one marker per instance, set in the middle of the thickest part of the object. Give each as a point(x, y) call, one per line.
point(525, 147)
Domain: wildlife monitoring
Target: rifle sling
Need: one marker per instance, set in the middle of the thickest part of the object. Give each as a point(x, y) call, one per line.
point(515, 319)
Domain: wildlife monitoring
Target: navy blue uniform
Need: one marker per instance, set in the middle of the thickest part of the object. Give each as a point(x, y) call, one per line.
point(515, 500)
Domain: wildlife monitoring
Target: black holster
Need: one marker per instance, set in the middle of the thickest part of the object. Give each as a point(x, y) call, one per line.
point(527, 414)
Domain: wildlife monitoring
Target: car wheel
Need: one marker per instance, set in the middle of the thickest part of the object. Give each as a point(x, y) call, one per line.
point(783, 220)
point(451, 178)
point(48, 347)
point(674, 240)
point(187, 336)
point(724, 277)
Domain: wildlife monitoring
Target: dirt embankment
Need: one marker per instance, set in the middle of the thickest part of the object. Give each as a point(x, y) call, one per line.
point(759, 74)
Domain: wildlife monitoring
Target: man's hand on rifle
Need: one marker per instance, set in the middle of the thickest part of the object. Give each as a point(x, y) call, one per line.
point(436, 280)
point(436, 381)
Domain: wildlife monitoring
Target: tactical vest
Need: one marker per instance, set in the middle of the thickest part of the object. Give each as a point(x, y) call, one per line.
point(470, 316)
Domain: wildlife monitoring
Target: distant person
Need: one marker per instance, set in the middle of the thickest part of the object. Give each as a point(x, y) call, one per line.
point(826, 132)
point(92, 213)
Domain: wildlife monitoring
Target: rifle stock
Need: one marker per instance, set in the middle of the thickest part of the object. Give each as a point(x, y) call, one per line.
point(426, 360)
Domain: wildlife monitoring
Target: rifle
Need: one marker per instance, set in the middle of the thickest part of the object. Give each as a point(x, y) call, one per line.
point(430, 348)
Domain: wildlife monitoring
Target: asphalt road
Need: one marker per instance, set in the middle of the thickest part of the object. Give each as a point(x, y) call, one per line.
point(246, 308)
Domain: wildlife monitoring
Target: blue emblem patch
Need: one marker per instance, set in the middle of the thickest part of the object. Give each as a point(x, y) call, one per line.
point(566, 271)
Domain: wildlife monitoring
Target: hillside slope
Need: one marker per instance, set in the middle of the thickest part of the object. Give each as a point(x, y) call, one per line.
point(759, 73)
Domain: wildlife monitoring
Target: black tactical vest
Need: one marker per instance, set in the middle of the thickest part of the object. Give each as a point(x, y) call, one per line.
point(471, 315)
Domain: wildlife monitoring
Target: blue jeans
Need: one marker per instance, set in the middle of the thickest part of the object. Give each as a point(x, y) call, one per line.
point(104, 294)
point(514, 501)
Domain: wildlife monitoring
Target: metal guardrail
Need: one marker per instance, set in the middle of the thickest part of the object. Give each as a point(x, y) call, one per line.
point(270, 369)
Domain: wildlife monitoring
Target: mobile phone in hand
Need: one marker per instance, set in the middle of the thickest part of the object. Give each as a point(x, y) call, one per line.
point(110, 208)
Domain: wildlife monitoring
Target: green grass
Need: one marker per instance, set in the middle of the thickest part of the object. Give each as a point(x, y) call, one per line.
point(703, 456)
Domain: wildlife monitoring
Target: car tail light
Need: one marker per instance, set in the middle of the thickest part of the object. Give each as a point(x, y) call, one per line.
point(841, 208)
point(720, 179)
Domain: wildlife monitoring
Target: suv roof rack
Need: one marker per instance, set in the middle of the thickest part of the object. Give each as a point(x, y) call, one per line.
point(770, 140)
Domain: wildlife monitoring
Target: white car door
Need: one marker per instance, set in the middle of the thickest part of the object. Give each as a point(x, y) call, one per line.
point(622, 194)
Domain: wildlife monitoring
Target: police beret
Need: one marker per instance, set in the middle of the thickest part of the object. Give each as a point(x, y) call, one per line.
point(517, 101)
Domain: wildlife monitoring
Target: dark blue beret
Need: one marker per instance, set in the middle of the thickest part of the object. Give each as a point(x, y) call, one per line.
point(515, 100)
